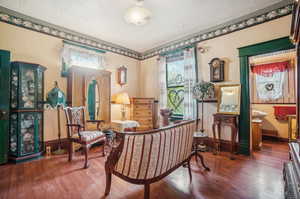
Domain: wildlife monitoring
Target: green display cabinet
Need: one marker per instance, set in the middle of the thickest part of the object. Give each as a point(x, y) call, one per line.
point(26, 111)
point(4, 103)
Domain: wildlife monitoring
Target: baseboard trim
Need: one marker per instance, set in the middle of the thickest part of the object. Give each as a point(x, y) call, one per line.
point(225, 144)
point(271, 133)
point(54, 144)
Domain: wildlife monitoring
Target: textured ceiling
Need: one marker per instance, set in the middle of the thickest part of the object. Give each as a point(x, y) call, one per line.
point(103, 19)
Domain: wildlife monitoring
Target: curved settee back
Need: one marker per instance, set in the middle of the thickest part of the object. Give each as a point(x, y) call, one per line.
point(149, 156)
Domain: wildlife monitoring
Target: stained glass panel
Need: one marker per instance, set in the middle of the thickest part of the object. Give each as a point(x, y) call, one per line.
point(175, 99)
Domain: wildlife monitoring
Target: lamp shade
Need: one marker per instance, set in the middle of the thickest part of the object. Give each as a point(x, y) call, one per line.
point(122, 98)
point(55, 97)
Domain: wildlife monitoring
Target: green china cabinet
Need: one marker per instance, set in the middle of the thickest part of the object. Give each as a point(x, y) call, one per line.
point(26, 111)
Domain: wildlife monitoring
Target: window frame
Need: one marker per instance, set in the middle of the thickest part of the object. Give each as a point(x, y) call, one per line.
point(177, 54)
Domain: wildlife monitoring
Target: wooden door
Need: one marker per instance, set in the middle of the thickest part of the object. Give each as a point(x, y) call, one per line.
point(4, 103)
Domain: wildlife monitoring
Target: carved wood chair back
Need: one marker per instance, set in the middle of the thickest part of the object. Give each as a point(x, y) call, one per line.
point(75, 120)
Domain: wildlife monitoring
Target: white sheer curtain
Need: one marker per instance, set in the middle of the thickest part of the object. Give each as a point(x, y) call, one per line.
point(190, 109)
point(78, 56)
point(162, 82)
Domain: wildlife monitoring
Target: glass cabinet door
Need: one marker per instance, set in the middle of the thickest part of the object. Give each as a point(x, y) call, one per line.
point(40, 138)
point(13, 137)
point(40, 94)
point(27, 133)
point(27, 88)
point(14, 88)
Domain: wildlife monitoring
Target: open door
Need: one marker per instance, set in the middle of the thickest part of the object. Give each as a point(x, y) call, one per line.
point(4, 103)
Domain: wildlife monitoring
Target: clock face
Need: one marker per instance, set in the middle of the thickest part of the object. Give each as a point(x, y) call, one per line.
point(216, 63)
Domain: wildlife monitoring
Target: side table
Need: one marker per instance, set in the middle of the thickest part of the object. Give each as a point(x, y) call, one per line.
point(198, 139)
point(122, 125)
point(225, 120)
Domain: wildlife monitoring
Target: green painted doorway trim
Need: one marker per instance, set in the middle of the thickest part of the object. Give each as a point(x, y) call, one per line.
point(244, 54)
point(4, 103)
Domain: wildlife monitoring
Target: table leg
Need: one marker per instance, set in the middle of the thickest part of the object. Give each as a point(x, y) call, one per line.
point(233, 141)
point(214, 139)
point(219, 137)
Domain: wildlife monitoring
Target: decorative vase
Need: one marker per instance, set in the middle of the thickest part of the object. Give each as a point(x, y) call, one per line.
point(165, 113)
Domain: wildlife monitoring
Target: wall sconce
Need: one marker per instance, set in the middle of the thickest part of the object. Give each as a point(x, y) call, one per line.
point(202, 49)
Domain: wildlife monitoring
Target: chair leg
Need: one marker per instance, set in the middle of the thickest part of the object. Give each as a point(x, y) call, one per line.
point(70, 151)
point(189, 168)
point(108, 181)
point(103, 149)
point(202, 161)
point(86, 150)
point(147, 191)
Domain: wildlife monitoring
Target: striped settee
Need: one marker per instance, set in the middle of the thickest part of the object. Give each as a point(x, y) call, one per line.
point(146, 157)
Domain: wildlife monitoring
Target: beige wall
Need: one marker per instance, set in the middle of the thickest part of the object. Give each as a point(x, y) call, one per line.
point(226, 48)
point(30, 46)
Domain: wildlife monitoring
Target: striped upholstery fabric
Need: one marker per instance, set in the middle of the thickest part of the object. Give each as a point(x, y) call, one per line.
point(147, 156)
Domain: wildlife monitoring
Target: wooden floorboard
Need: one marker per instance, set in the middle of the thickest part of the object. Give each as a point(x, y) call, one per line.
point(255, 177)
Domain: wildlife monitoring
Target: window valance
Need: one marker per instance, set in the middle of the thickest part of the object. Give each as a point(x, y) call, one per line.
point(269, 69)
point(72, 55)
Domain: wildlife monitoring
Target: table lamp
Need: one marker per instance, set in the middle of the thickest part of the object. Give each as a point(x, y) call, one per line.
point(123, 99)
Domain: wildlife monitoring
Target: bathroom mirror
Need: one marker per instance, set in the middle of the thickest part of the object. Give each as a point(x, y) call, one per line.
point(229, 97)
point(93, 101)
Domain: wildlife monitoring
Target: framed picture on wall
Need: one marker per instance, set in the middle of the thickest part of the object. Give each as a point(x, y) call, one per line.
point(122, 75)
point(216, 70)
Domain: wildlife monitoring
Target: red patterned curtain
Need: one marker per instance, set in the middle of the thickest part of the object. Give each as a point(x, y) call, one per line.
point(268, 70)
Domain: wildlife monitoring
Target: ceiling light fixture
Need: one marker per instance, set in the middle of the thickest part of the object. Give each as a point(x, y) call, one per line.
point(137, 15)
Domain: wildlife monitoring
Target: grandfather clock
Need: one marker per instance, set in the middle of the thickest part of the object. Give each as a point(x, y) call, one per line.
point(26, 111)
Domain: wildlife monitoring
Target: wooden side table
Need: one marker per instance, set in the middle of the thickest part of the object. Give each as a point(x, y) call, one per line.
point(196, 152)
point(122, 126)
point(225, 120)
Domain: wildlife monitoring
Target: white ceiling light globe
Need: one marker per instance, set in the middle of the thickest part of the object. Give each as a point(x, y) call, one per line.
point(137, 15)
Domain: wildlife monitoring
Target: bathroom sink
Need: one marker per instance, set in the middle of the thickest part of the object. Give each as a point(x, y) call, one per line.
point(256, 114)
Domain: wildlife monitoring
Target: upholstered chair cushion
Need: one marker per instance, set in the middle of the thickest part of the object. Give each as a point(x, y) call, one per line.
point(90, 135)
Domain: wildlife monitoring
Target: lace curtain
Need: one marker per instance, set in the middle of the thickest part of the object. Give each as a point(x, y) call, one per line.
point(162, 82)
point(189, 81)
point(78, 56)
point(269, 80)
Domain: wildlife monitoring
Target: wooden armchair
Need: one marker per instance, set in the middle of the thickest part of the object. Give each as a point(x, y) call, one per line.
point(146, 157)
point(77, 133)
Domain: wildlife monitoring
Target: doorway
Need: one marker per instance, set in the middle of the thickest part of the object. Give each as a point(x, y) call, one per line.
point(272, 86)
point(245, 53)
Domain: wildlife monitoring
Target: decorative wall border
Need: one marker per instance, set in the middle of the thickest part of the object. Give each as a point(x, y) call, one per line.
point(267, 14)
point(253, 19)
point(18, 19)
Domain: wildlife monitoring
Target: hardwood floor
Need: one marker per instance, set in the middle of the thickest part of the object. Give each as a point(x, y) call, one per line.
point(259, 176)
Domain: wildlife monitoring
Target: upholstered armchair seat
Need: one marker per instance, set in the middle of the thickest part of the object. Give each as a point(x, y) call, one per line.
point(90, 135)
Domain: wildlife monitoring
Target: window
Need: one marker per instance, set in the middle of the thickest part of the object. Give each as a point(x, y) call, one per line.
point(175, 83)
point(76, 55)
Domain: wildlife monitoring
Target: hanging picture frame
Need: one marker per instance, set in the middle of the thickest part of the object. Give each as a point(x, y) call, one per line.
point(122, 75)
point(216, 70)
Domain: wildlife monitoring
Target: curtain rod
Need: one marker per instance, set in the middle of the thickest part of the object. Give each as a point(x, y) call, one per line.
point(176, 50)
point(83, 46)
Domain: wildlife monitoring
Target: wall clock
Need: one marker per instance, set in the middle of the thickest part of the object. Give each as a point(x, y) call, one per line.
point(216, 70)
